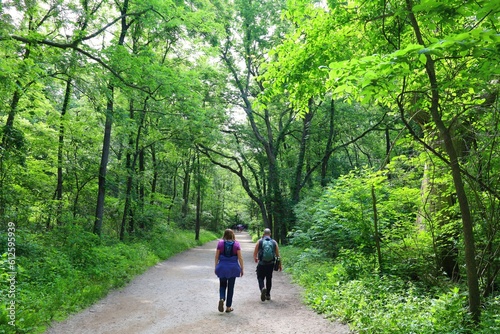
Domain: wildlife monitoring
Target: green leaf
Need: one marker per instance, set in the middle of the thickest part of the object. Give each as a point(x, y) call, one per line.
point(422, 58)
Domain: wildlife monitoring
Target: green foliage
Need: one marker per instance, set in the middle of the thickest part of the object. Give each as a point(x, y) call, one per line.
point(342, 217)
point(346, 289)
point(169, 95)
point(68, 269)
point(490, 321)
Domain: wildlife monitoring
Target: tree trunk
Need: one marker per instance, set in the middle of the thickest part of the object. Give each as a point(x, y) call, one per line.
point(142, 188)
point(127, 207)
point(7, 142)
point(174, 191)
point(198, 198)
point(329, 144)
point(297, 182)
point(467, 224)
point(9, 124)
point(101, 192)
point(185, 188)
point(60, 148)
point(154, 180)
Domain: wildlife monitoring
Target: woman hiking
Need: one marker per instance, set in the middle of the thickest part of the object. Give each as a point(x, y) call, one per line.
point(228, 266)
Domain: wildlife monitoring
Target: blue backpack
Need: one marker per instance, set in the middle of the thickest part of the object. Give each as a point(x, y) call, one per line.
point(228, 248)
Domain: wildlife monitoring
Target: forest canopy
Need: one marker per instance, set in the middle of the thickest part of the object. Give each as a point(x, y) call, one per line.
point(364, 131)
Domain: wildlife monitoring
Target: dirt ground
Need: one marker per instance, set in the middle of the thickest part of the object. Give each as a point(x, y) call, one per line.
point(180, 295)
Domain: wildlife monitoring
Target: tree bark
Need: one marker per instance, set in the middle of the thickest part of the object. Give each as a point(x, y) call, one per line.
point(101, 192)
point(198, 198)
point(467, 224)
point(329, 144)
point(8, 134)
point(142, 188)
point(185, 188)
point(60, 148)
point(154, 180)
point(297, 182)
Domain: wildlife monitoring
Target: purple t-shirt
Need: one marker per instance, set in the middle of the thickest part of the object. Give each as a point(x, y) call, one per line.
point(236, 247)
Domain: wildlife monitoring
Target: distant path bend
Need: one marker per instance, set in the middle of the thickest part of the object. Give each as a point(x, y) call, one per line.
point(180, 295)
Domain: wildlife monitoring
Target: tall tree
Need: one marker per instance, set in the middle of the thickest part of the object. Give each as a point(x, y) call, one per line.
point(110, 109)
point(421, 51)
point(242, 53)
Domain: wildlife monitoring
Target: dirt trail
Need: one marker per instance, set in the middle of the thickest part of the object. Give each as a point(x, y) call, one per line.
point(180, 295)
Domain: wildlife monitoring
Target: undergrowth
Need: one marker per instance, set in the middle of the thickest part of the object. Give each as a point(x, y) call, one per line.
point(375, 303)
point(68, 269)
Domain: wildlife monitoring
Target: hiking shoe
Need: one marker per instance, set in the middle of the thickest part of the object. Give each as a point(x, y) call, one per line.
point(268, 297)
point(263, 294)
point(221, 305)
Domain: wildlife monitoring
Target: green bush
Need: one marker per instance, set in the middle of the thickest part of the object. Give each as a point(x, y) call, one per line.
point(342, 216)
point(490, 320)
point(347, 290)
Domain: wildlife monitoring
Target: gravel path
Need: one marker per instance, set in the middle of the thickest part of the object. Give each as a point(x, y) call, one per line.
point(180, 295)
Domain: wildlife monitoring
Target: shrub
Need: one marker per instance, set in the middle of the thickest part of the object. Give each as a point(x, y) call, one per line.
point(348, 290)
point(342, 217)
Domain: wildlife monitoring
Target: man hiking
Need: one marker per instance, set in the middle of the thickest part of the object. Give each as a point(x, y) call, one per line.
point(265, 255)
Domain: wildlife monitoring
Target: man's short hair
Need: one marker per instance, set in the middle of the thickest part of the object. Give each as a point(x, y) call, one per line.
point(267, 231)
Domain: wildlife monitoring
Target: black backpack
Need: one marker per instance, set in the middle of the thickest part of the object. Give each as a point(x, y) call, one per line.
point(228, 248)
